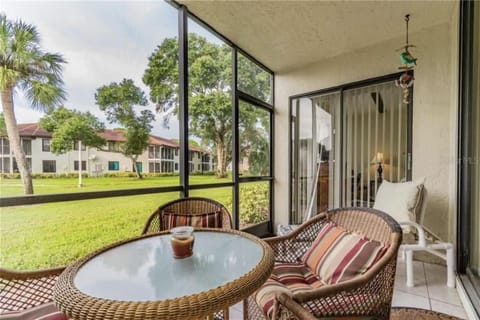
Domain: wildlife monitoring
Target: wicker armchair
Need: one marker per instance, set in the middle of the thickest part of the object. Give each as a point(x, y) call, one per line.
point(186, 206)
point(368, 294)
point(24, 291)
point(189, 206)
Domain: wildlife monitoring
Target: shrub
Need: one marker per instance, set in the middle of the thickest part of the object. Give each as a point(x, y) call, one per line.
point(43, 175)
point(204, 173)
point(10, 175)
point(254, 203)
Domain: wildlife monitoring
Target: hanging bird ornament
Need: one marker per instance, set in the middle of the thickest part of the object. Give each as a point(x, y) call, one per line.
point(406, 57)
point(408, 63)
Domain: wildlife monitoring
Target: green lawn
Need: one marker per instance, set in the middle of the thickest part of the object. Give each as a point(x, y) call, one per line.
point(14, 187)
point(55, 234)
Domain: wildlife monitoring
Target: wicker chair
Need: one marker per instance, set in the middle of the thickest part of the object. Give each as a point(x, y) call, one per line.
point(189, 206)
point(186, 206)
point(21, 292)
point(368, 294)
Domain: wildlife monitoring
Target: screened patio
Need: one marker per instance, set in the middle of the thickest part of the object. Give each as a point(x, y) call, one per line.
point(312, 120)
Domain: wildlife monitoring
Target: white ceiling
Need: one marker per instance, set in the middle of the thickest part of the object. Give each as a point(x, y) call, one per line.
point(288, 34)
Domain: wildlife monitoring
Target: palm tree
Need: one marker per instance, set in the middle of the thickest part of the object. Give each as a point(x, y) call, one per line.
point(24, 66)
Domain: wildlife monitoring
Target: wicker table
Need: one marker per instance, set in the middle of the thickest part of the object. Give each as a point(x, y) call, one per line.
point(139, 278)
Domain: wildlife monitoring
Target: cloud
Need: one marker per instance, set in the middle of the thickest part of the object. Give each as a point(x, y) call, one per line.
point(103, 41)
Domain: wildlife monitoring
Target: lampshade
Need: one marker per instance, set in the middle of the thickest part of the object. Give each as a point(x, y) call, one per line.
point(377, 158)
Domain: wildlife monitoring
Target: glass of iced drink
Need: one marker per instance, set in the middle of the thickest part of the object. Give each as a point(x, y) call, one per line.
point(182, 240)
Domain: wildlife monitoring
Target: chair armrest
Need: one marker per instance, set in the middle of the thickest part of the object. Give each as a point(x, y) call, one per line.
point(22, 290)
point(420, 233)
point(13, 275)
point(295, 308)
point(289, 248)
point(292, 247)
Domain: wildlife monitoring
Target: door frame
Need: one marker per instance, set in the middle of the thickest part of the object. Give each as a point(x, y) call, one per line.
point(464, 160)
point(341, 88)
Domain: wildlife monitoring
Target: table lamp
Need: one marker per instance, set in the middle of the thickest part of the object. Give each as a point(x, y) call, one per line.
point(378, 159)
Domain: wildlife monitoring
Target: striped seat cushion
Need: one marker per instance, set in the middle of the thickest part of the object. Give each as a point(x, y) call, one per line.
point(286, 278)
point(204, 220)
point(337, 255)
point(46, 311)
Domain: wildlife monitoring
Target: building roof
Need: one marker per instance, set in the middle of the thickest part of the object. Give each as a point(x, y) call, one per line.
point(113, 135)
point(34, 130)
point(159, 141)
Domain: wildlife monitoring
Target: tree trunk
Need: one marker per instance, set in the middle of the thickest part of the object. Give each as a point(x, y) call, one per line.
point(135, 169)
point(14, 138)
point(221, 165)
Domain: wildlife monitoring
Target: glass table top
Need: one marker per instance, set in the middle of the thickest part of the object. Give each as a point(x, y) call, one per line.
point(145, 270)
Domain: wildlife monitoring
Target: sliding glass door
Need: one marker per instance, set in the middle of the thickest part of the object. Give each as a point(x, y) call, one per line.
point(344, 142)
point(315, 121)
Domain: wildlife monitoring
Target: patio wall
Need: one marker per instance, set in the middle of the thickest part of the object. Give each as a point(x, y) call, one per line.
point(434, 115)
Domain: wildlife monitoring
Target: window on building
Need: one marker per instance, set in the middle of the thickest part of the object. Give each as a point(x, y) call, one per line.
point(49, 166)
point(75, 146)
point(5, 146)
point(46, 145)
point(27, 146)
point(167, 166)
point(15, 165)
point(84, 165)
point(4, 165)
point(113, 166)
point(151, 152)
point(176, 152)
point(167, 153)
point(154, 167)
point(176, 166)
point(113, 146)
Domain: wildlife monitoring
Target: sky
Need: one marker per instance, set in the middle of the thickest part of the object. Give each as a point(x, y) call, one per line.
point(103, 42)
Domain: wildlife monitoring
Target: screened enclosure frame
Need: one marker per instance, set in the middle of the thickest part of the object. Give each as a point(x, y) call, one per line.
point(340, 89)
point(184, 187)
point(465, 159)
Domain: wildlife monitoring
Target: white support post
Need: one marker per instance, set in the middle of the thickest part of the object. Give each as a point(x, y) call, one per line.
point(450, 266)
point(409, 266)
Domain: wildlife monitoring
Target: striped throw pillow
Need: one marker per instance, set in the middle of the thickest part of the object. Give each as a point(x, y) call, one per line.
point(204, 220)
point(286, 278)
point(337, 255)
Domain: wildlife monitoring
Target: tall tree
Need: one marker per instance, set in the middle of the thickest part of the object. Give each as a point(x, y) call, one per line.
point(70, 128)
point(118, 100)
point(24, 66)
point(210, 78)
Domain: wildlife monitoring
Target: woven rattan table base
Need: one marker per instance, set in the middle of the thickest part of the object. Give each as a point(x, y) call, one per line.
point(418, 314)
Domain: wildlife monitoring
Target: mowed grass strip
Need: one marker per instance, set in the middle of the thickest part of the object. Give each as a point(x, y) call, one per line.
point(56, 234)
point(14, 187)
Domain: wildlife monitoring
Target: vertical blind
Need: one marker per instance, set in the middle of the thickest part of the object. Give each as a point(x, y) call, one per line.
point(374, 135)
